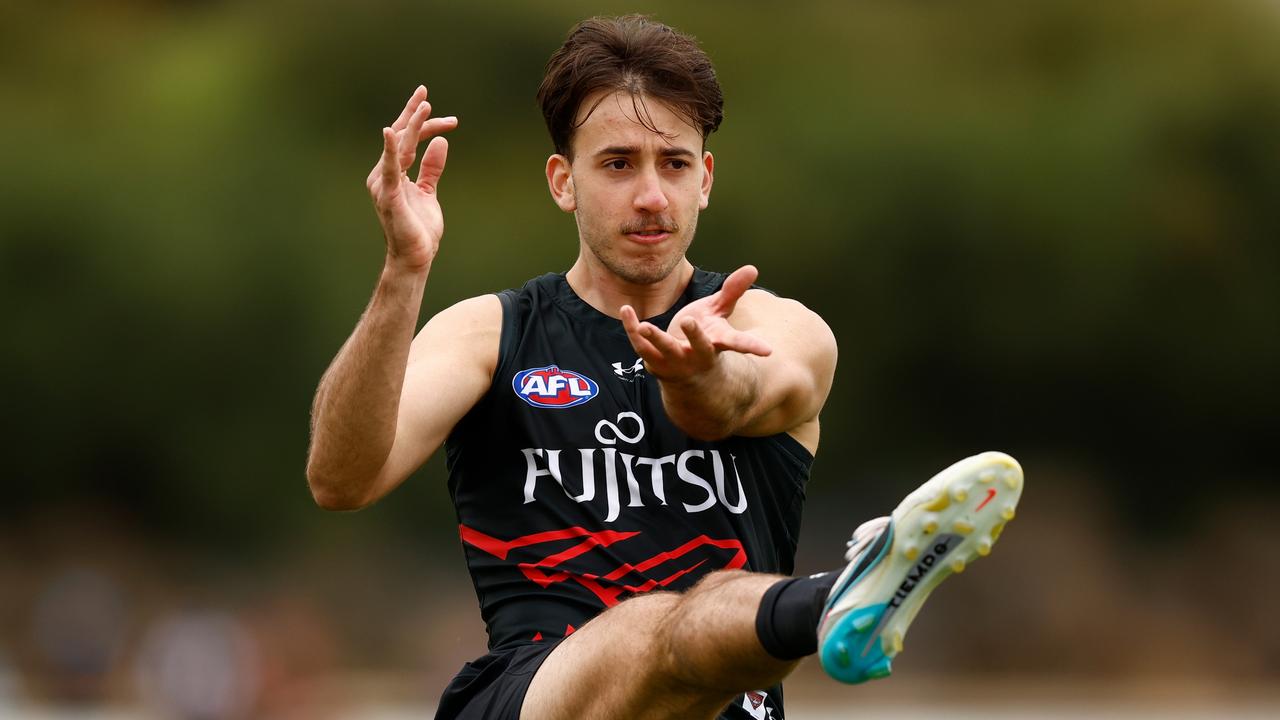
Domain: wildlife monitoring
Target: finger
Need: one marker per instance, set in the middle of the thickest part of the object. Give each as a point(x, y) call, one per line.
point(389, 164)
point(744, 342)
point(703, 350)
point(738, 282)
point(630, 322)
point(419, 116)
point(437, 125)
point(407, 153)
point(410, 136)
point(670, 347)
point(418, 96)
point(643, 348)
point(432, 166)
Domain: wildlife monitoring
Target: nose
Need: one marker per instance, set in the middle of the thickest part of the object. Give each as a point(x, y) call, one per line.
point(649, 195)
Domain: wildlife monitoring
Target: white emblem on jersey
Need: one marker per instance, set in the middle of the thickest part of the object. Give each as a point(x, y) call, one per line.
point(753, 702)
point(629, 374)
point(618, 434)
point(705, 476)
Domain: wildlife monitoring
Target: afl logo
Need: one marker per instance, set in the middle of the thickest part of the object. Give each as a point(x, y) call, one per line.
point(552, 387)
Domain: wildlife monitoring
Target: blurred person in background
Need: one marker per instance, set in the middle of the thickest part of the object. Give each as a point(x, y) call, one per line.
point(197, 664)
point(79, 628)
point(634, 424)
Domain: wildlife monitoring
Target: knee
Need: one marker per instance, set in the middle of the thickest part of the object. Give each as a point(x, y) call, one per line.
point(682, 619)
point(647, 622)
point(666, 625)
point(714, 581)
point(645, 616)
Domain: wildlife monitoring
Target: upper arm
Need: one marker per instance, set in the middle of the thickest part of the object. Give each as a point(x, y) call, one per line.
point(451, 365)
point(793, 381)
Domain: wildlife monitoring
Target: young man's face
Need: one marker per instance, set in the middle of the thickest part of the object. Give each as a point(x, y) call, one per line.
point(636, 194)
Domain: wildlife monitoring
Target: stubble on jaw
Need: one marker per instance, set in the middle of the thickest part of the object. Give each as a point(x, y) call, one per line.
point(642, 270)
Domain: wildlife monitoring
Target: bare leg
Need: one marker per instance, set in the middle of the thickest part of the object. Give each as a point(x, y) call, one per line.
point(661, 655)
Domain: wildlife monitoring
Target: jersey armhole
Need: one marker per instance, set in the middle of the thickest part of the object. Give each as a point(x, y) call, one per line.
point(793, 447)
point(509, 339)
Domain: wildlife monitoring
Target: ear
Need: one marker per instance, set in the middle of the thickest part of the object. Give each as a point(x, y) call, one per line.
point(708, 176)
point(560, 182)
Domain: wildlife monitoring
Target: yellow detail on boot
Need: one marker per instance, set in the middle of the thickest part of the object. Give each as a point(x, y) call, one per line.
point(892, 644)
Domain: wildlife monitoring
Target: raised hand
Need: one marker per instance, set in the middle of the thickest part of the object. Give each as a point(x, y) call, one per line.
point(697, 334)
point(409, 211)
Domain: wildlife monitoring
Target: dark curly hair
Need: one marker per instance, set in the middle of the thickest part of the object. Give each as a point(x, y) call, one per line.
point(632, 54)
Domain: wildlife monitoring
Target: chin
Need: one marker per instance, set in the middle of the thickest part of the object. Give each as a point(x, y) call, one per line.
point(642, 272)
point(642, 268)
point(647, 275)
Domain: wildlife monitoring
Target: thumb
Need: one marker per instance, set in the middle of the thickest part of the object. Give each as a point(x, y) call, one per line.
point(433, 163)
point(738, 282)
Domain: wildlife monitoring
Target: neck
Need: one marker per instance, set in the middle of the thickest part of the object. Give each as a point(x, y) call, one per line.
point(607, 292)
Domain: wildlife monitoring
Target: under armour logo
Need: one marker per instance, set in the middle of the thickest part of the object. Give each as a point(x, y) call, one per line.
point(629, 374)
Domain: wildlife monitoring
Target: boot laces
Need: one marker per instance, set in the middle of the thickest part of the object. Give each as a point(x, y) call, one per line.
point(862, 537)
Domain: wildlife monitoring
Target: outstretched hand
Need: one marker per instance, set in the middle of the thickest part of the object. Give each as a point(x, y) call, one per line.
point(697, 334)
point(409, 211)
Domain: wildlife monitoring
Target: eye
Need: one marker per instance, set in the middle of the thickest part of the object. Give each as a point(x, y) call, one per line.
point(679, 164)
point(616, 164)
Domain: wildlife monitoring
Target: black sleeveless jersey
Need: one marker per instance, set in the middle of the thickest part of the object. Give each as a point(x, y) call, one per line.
point(574, 490)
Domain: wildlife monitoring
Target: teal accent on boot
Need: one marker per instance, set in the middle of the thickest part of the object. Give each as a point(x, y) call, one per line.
point(936, 531)
point(849, 652)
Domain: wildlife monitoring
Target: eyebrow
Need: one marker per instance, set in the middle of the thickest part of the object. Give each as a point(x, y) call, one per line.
point(669, 151)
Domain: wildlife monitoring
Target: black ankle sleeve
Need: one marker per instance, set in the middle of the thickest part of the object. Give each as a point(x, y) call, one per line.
point(787, 621)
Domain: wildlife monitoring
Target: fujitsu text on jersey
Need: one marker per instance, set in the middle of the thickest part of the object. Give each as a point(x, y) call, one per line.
point(697, 478)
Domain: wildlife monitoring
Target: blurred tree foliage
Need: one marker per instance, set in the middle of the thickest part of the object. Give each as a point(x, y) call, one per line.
point(1048, 227)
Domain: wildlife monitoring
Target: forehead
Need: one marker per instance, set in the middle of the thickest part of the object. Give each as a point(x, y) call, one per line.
point(620, 118)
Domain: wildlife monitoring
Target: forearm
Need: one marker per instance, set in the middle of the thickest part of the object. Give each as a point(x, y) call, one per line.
point(713, 404)
point(354, 415)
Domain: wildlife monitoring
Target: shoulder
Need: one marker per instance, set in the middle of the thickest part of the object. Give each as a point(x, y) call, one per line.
point(475, 313)
point(761, 310)
point(796, 376)
point(465, 334)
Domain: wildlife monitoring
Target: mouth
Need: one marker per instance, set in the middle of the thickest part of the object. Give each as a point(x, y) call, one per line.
point(649, 234)
point(649, 237)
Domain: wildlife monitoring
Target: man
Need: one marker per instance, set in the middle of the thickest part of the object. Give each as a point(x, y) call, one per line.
point(627, 441)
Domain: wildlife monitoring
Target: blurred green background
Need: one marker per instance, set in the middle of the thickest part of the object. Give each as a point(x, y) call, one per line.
point(1050, 228)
